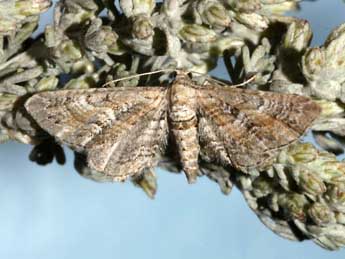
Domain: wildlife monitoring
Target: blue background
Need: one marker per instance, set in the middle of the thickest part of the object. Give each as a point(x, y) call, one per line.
point(51, 212)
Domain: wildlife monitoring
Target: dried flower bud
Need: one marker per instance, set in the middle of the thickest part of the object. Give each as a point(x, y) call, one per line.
point(298, 35)
point(219, 175)
point(197, 33)
point(293, 205)
point(254, 21)
point(7, 25)
point(324, 164)
point(279, 6)
point(259, 62)
point(317, 194)
point(142, 27)
point(69, 50)
point(83, 66)
point(31, 7)
point(136, 7)
point(7, 101)
point(147, 182)
point(225, 43)
point(172, 10)
point(330, 109)
point(333, 171)
point(336, 196)
point(321, 214)
point(82, 82)
point(324, 67)
point(310, 183)
point(314, 60)
point(14, 13)
point(262, 187)
point(212, 13)
point(340, 218)
point(247, 6)
point(100, 40)
point(301, 153)
point(334, 48)
point(216, 15)
point(46, 83)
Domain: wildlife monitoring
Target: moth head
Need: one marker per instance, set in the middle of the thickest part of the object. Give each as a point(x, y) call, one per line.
point(183, 74)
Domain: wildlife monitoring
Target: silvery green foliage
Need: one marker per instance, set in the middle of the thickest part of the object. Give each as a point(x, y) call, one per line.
point(301, 196)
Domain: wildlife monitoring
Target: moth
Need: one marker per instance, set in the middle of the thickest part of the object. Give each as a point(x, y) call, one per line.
point(124, 131)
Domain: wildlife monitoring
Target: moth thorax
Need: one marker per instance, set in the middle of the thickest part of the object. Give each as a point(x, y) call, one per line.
point(182, 103)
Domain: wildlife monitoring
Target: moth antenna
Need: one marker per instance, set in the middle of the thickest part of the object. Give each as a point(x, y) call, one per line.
point(216, 81)
point(138, 75)
point(250, 79)
point(209, 78)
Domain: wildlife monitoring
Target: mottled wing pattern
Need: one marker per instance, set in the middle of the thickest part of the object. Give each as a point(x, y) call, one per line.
point(121, 130)
point(246, 128)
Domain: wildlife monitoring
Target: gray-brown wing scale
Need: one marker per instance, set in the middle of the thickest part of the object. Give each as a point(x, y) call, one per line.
point(246, 128)
point(121, 130)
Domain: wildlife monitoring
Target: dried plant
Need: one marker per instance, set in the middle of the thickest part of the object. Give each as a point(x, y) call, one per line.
point(91, 42)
